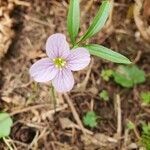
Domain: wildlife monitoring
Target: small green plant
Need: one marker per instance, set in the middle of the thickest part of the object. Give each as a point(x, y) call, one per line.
point(5, 124)
point(129, 76)
point(106, 74)
point(104, 95)
point(90, 119)
point(145, 134)
point(145, 97)
point(78, 56)
point(145, 137)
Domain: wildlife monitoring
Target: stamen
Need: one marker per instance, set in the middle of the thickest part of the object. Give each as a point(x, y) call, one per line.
point(56, 66)
point(59, 62)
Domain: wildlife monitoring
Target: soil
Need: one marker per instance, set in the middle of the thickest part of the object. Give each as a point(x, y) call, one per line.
point(36, 124)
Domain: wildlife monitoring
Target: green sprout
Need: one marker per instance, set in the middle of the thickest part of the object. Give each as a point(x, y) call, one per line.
point(106, 74)
point(104, 95)
point(145, 97)
point(145, 137)
point(90, 119)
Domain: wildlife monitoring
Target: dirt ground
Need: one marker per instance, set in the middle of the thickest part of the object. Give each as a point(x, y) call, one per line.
point(37, 126)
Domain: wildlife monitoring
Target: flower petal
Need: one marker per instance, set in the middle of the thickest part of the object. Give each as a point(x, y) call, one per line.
point(78, 59)
point(64, 81)
point(57, 46)
point(43, 70)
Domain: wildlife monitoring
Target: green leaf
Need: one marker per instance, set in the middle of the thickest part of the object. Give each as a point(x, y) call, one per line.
point(90, 119)
point(106, 74)
point(104, 95)
point(98, 21)
point(73, 20)
point(5, 124)
point(146, 128)
point(145, 141)
point(128, 76)
point(107, 54)
point(145, 137)
point(145, 97)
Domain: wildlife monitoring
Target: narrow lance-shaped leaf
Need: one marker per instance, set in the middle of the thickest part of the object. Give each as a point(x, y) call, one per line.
point(107, 54)
point(73, 20)
point(98, 21)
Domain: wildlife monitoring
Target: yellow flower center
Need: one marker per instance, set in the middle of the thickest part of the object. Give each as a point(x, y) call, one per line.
point(59, 62)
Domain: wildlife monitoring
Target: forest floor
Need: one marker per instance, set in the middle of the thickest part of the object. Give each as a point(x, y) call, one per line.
point(36, 124)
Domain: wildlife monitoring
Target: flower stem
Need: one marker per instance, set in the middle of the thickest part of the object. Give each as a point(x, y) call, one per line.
point(54, 97)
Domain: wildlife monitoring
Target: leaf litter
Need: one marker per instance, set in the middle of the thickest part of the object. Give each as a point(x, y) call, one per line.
point(36, 124)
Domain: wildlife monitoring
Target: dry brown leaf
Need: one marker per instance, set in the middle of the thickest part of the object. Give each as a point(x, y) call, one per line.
point(66, 123)
point(99, 141)
point(133, 146)
point(16, 100)
point(6, 99)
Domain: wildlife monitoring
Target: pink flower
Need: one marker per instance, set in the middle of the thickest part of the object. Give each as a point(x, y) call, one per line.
point(60, 63)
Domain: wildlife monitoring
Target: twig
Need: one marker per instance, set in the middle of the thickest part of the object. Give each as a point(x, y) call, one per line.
point(17, 142)
point(33, 141)
point(32, 125)
point(119, 118)
point(85, 130)
point(29, 108)
point(74, 112)
point(66, 123)
point(7, 143)
point(92, 104)
point(22, 3)
point(137, 58)
point(51, 112)
point(126, 134)
point(136, 133)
